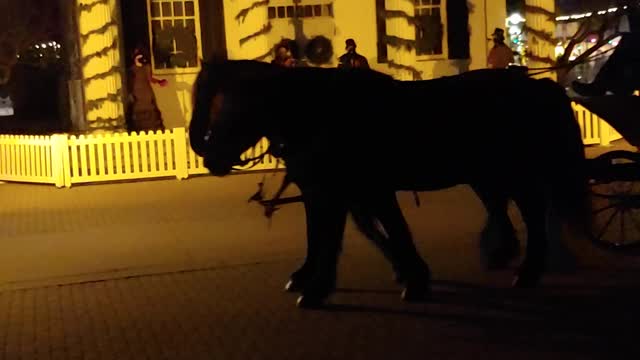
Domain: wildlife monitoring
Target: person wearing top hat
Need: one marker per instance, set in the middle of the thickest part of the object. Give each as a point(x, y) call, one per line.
point(500, 55)
point(351, 59)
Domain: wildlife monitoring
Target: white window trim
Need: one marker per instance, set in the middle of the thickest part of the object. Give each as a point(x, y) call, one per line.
point(177, 70)
point(445, 34)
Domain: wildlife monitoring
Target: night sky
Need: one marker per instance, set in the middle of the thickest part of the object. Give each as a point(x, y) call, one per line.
point(568, 6)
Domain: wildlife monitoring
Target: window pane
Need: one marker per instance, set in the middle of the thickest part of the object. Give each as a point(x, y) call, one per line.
point(177, 8)
point(429, 35)
point(155, 9)
point(155, 25)
point(167, 24)
point(317, 10)
point(189, 9)
point(166, 9)
point(290, 11)
point(186, 53)
point(272, 12)
point(435, 2)
point(308, 10)
point(281, 12)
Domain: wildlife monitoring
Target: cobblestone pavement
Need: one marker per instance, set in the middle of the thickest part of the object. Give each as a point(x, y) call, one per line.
point(240, 312)
point(189, 270)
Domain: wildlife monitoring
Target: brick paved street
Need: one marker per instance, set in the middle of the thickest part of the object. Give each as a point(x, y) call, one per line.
point(188, 270)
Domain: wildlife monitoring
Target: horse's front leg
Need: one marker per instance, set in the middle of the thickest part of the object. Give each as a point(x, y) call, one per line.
point(326, 217)
point(299, 278)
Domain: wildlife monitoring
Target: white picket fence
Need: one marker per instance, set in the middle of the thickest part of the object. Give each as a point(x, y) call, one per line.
point(64, 160)
point(594, 129)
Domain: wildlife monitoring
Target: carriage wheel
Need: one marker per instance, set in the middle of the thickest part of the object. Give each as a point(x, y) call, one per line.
point(615, 200)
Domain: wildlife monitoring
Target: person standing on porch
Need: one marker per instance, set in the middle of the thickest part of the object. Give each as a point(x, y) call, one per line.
point(500, 55)
point(143, 111)
point(351, 59)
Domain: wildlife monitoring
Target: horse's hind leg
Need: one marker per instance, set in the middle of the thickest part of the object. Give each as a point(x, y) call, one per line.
point(498, 242)
point(370, 226)
point(395, 241)
point(533, 207)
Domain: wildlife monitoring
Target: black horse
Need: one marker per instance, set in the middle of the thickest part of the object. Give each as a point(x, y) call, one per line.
point(351, 139)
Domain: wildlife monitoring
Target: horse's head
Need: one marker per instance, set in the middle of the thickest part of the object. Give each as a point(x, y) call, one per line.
point(228, 112)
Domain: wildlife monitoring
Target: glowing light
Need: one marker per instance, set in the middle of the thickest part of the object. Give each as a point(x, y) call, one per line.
point(588, 14)
point(515, 19)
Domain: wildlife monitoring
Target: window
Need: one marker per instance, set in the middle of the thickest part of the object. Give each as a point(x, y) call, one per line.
point(301, 11)
point(430, 30)
point(174, 30)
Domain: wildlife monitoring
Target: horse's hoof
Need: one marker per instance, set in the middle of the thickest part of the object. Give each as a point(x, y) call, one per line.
point(526, 281)
point(416, 294)
point(293, 286)
point(310, 302)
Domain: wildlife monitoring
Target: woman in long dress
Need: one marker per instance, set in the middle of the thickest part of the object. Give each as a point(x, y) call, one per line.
point(144, 114)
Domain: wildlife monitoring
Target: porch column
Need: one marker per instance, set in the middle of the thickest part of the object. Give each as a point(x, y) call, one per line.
point(401, 36)
point(253, 25)
point(101, 64)
point(540, 29)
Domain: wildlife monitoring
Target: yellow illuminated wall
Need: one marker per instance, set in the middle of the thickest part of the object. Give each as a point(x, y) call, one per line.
point(101, 64)
point(540, 28)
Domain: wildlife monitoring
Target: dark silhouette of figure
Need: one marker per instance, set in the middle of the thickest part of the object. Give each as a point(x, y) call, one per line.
point(351, 59)
point(620, 75)
point(143, 111)
point(500, 55)
point(283, 54)
point(326, 158)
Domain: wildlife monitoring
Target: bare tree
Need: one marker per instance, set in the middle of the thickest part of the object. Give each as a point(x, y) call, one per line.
point(603, 28)
point(22, 24)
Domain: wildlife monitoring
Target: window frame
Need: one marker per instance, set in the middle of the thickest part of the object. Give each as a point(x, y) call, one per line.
point(196, 19)
point(445, 32)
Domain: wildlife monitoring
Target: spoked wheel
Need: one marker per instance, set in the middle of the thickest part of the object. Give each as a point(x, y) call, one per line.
point(615, 200)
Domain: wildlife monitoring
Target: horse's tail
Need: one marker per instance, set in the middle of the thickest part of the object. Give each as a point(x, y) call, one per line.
point(570, 189)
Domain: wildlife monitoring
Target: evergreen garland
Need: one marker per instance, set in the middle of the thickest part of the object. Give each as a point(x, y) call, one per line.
point(113, 70)
point(265, 30)
point(88, 7)
point(101, 30)
point(399, 14)
point(102, 123)
point(242, 14)
point(417, 74)
point(398, 42)
point(540, 34)
point(96, 103)
point(103, 52)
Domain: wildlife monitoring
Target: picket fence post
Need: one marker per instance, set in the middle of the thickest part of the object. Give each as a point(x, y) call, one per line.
point(60, 160)
point(181, 153)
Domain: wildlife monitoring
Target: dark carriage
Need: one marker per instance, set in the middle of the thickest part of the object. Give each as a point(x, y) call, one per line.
point(615, 176)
